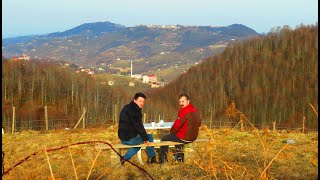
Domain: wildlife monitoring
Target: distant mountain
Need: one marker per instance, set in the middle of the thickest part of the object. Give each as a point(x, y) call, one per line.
point(238, 30)
point(108, 46)
point(90, 29)
point(19, 39)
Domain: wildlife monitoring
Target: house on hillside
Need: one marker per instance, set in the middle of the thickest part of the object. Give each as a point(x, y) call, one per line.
point(23, 57)
point(163, 83)
point(101, 69)
point(137, 76)
point(131, 84)
point(155, 85)
point(149, 78)
point(152, 78)
point(88, 71)
point(145, 79)
point(110, 83)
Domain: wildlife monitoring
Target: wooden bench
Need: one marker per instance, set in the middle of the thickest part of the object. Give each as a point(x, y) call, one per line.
point(155, 144)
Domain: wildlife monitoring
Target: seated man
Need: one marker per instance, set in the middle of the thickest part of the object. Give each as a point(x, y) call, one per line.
point(185, 129)
point(131, 130)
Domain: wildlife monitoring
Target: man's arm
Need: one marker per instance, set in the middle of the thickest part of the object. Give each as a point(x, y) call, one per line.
point(177, 125)
point(174, 129)
point(183, 120)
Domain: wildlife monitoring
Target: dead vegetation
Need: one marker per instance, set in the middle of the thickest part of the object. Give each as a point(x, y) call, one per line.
point(230, 154)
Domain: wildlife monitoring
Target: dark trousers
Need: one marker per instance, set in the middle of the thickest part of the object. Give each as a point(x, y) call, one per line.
point(179, 148)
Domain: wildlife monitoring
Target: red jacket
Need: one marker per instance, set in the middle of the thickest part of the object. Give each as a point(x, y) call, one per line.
point(186, 126)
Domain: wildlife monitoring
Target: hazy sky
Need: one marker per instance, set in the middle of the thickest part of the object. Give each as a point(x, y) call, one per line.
point(26, 17)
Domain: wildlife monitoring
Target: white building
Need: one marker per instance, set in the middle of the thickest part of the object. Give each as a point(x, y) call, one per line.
point(155, 85)
point(145, 79)
point(149, 78)
point(137, 76)
point(152, 78)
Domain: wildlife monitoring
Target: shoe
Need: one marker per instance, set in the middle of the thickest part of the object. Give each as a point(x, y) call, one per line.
point(163, 160)
point(151, 160)
point(179, 158)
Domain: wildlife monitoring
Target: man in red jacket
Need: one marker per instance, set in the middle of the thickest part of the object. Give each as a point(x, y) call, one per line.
point(185, 129)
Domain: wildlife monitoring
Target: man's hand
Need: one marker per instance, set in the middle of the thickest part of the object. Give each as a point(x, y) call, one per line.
point(147, 143)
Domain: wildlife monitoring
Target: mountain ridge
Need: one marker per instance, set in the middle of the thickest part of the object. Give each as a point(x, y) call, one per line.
point(110, 46)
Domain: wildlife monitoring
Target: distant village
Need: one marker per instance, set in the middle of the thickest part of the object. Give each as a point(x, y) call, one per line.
point(150, 79)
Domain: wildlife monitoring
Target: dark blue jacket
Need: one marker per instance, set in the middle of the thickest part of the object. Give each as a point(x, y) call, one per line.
point(130, 123)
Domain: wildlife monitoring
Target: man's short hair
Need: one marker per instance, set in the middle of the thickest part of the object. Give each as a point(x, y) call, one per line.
point(184, 95)
point(139, 94)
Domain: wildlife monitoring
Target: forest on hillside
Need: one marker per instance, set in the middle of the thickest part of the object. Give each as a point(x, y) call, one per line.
point(270, 78)
point(30, 86)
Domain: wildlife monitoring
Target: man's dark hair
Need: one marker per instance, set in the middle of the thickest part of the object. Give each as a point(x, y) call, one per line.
point(185, 95)
point(139, 94)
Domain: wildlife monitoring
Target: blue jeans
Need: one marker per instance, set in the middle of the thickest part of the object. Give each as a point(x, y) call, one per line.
point(135, 141)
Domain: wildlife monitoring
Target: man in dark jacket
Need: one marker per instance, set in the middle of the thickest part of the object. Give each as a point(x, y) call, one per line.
point(184, 129)
point(131, 130)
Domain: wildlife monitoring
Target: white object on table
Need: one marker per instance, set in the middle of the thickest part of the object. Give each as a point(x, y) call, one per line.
point(164, 125)
point(153, 124)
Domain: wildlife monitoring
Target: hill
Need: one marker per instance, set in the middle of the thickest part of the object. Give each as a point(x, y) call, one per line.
point(90, 29)
point(258, 75)
point(104, 44)
point(271, 78)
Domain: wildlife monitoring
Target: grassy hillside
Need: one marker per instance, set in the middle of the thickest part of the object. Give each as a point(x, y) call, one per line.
point(230, 154)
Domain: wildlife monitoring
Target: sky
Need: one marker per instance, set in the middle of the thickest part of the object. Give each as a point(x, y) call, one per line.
point(30, 17)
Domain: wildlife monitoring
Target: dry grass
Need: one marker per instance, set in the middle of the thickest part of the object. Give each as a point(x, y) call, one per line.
point(230, 154)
